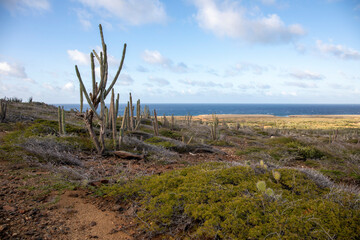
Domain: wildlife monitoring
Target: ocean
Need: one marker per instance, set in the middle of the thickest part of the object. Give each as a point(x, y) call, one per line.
point(180, 109)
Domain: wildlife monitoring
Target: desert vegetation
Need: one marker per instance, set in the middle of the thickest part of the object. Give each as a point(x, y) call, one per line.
point(176, 177)
point(260, 177)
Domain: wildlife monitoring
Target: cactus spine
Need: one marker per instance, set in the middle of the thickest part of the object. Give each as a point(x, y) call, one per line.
point(3, 108)
point(99, 92)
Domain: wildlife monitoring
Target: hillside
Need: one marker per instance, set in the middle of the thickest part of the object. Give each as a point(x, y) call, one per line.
point(250, 177)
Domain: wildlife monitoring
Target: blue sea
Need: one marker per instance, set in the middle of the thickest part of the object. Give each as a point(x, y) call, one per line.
point(180, 109)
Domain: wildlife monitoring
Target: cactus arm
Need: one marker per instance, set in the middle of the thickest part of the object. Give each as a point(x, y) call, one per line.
point(117, 106)
point(63, 120)
point(85, 92)
point(93, 73)
point(81, 99)
point(59, 119)
point(118, 72)
point(97, 56)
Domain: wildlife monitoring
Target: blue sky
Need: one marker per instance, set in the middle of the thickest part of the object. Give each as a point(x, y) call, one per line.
point(186, 51)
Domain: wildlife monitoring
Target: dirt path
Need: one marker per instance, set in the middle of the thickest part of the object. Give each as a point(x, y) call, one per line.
point(86, 221)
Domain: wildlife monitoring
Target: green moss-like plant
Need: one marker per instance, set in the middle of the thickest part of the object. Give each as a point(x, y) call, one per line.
point(261, 186)
point(276, 175)
point(215, 201)
point(160, 142)
point(269, 192)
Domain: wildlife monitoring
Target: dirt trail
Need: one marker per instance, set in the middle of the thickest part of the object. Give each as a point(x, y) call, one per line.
point(87, 221)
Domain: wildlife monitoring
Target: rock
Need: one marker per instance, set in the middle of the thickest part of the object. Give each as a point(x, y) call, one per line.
point(117, 208)
point(74, 195)
point(3, 227)
point(93, 223)
point(9, 208)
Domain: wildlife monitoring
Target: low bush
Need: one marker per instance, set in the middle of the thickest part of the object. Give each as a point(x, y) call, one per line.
point(215, 201)
point(160, 142)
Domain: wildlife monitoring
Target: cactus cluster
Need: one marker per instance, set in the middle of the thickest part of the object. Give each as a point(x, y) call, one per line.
point(3, 108)
point(99, 93)
point(146, 112)
point(188, 118)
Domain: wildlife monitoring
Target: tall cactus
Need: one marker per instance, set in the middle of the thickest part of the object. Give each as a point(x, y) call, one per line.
point(123, 123)
point(99, 92)
point(117, 106)
point(113, 117)
point(61, 120)
point(156, 125)
point(138, 114)
point(213, 127)
point(3, 108)
point(81, 99)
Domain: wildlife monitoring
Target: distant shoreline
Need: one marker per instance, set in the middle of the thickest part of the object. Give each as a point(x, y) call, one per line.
point(240, 116)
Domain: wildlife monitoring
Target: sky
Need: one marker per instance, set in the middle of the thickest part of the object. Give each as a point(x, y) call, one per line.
point(184, 51)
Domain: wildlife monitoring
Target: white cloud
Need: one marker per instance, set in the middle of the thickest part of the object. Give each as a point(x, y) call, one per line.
point(205, 83)
point(156, 58)
point(84, 18)
point(132, 12)
point(24, 5)
point(79, 57)
point(12, 70)
point(125, 79)
point(339, 51)
point(159, 81)
point(306, 75)
point(69, 87)
point(230, 19)
point(301, 84)
point(48, 86)
point(284, 93)
point(245, 67)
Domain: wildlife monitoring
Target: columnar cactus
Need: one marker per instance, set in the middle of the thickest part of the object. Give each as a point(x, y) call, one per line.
point(81, 99)
point(113, 117)
point(213, 127)
point(155, 124)
point(172, 121)
point(99, 92)
point(3, 108)
point(123, 123)
point(138, 114)
point(61, 119)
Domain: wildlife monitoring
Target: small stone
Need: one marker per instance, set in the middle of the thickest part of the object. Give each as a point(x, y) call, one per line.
point(22, 211)
point(117, 208)
point(93, 223)
point(74, 195)
point(2, 227)
point(9, 208)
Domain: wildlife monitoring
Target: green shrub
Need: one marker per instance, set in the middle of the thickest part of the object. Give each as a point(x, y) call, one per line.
point(249, 150)
point(170, 134)
point(214, 201)
point(160, 142)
